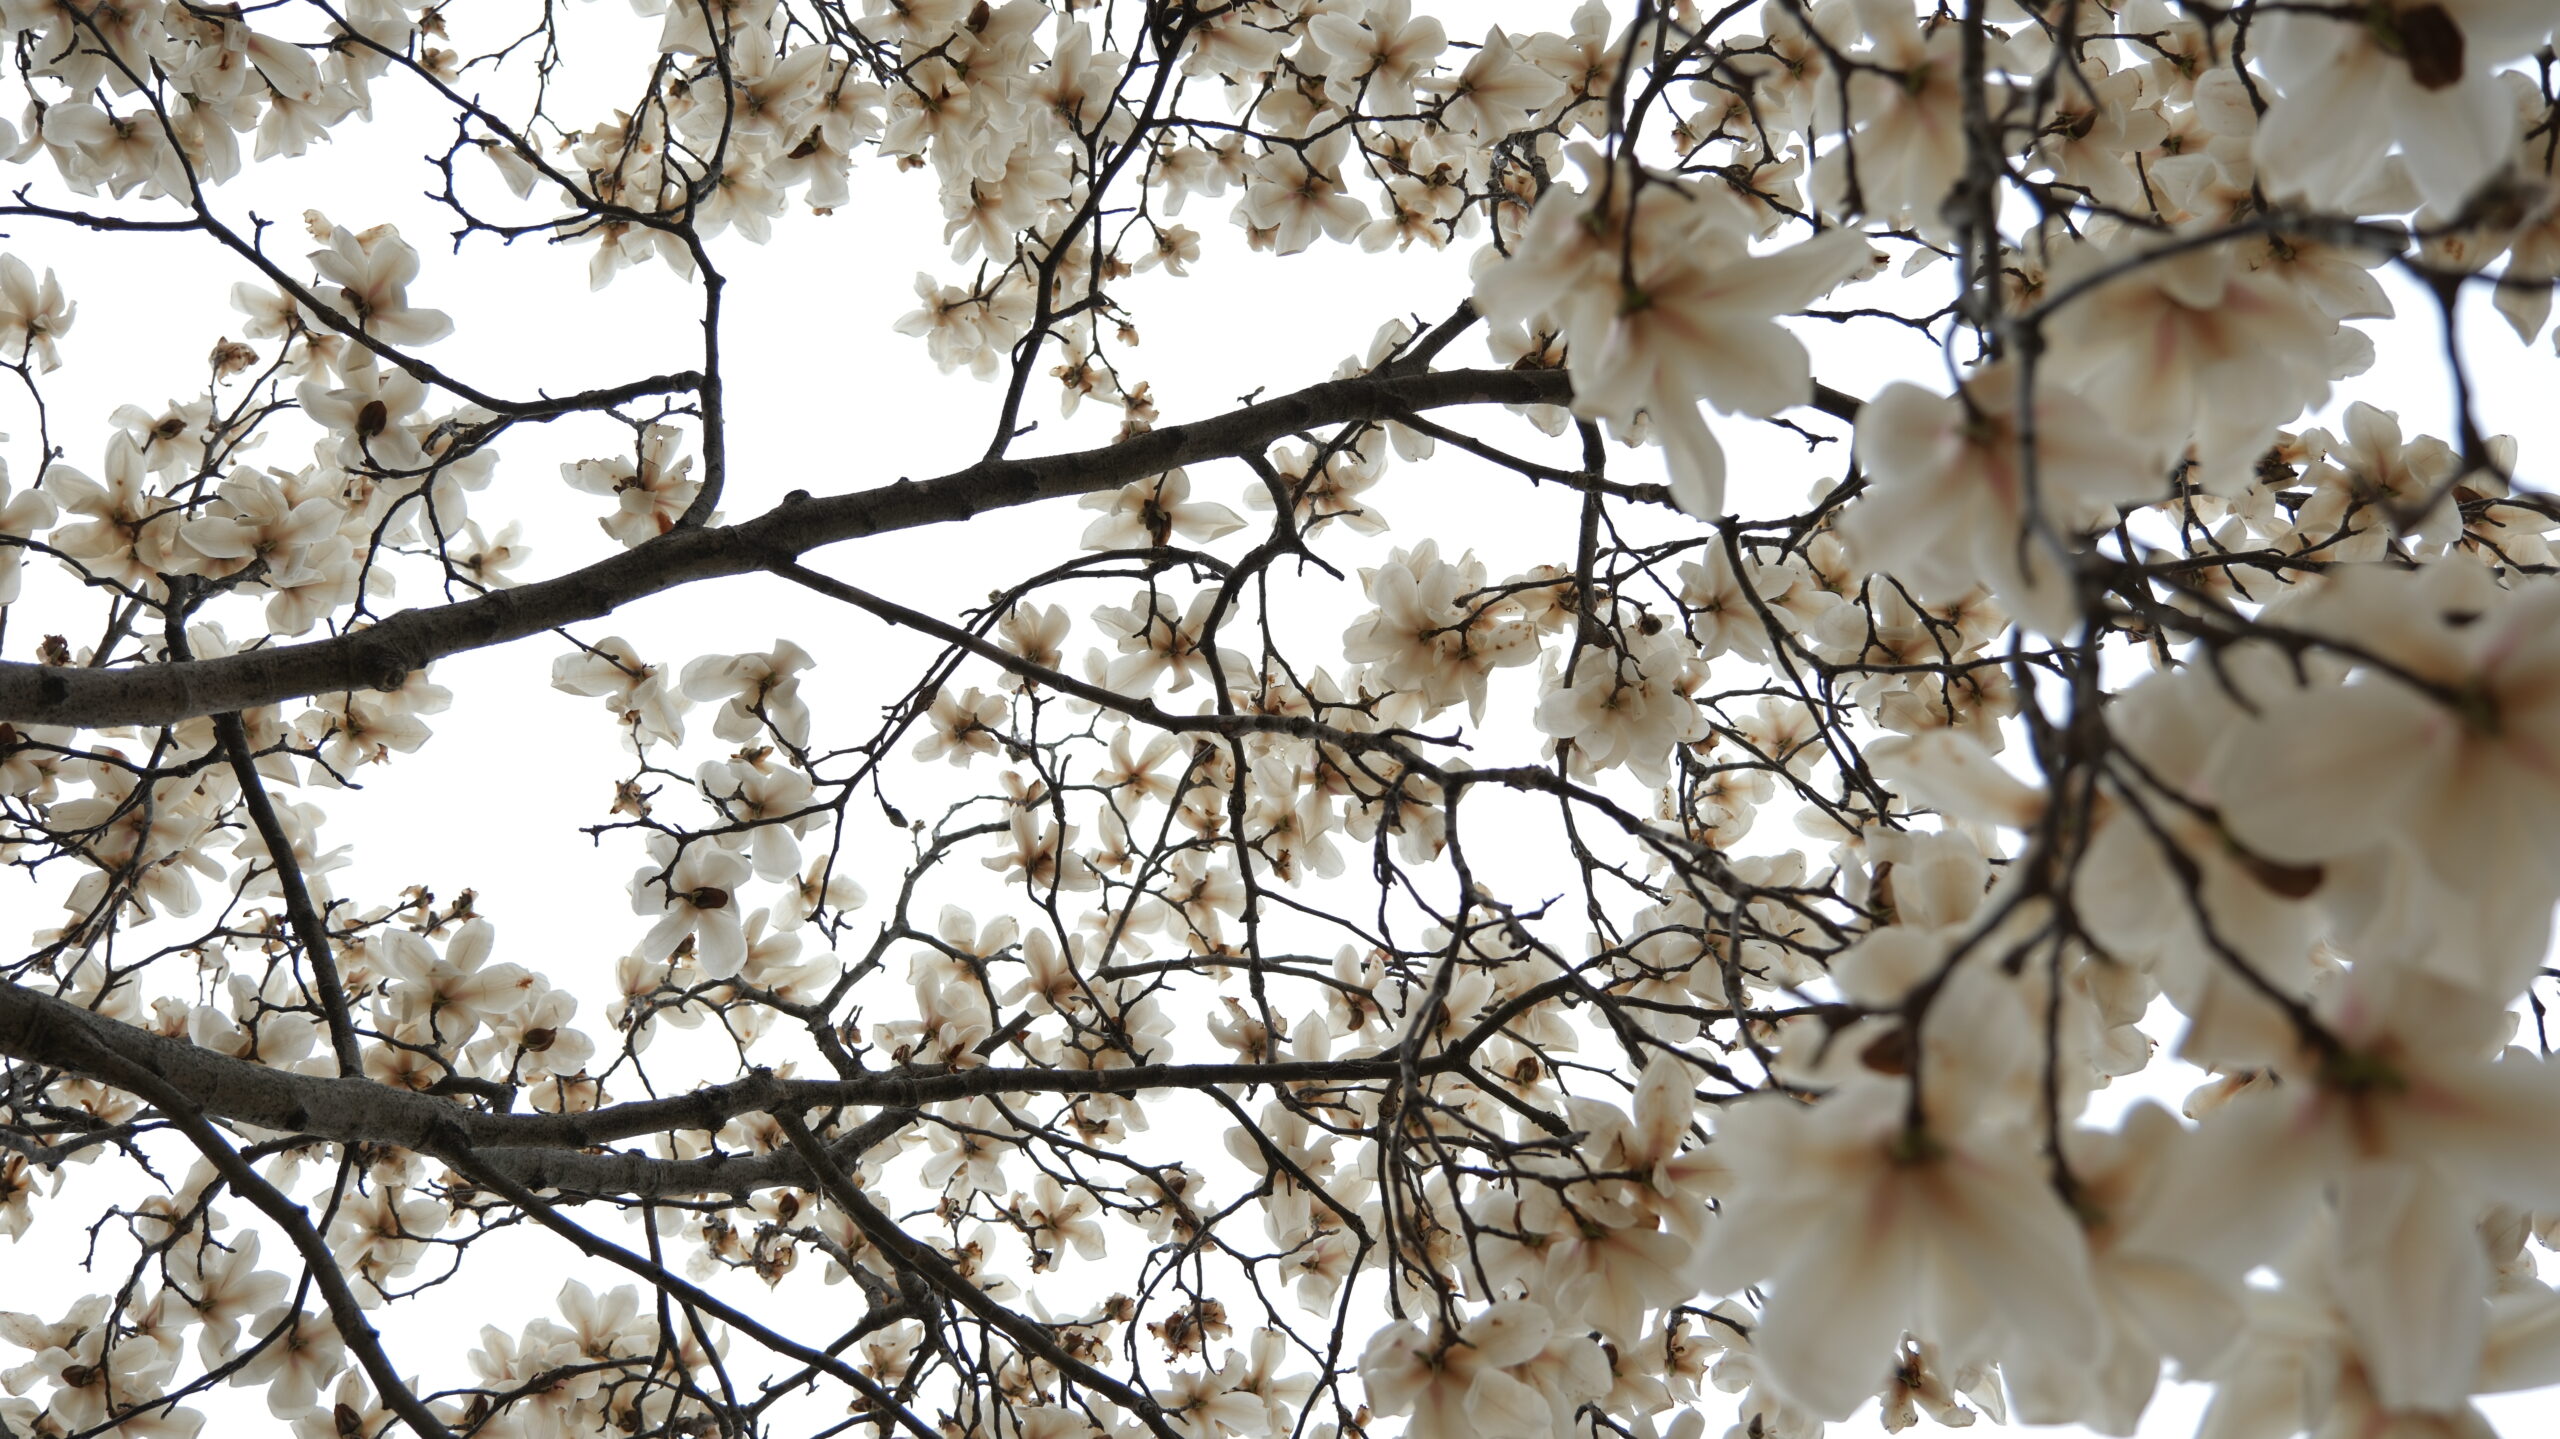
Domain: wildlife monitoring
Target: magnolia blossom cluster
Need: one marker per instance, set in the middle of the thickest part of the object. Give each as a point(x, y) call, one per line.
point(1273, 971)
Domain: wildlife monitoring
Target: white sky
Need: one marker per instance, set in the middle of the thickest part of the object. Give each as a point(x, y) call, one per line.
point(823, 396)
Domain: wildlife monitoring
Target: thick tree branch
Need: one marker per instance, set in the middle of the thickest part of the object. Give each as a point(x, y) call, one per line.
point(344, 1308)
point(545, 1150)
point(387, 653)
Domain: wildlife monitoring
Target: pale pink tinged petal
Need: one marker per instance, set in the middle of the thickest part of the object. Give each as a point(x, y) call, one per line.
point(2187, 1315)
point(2345, 292)
point(2410, 1280)
point(1665, 1100)
point(2122, 889)
point(2126, 1379)
point(220, 538)
point(75, 490)
point(2028, 579)
point(1834, 1315)
point(26, 1331)
point(2271, 929)
point(2078, 453)
point(2259, 1401)
point(2149, 1135)
point(486, 988)
point(1509, 1333)
point(2044, 1390)
point(2454, 1025)
point(469, 948)
point(395, 263)
point(2325, 132)
point(1238, 1411)
point(1750, 1238)
point(2200, 280)
point(709, 678)
point(2454, 136)
point(1204, 521)
point(776, 853)
point(1892, 527)
point(721, 943)
point(2322, 772)
point(313, 519)
point(1501, 1407)
point(1951, 772)
point(2297, 48)
point(1695, 460)
point(2523, 1343)
point(1750, 367)
point(2010, 1234)
point(2374, 431)
point(2240, 1187)
point(1390, 1370)
point(1440, 1413)
point(2497, 1125)
point(2495, 941)
point(666, 934)
point(412, 327)
point(1656, 1265)
point(78, 123)
point(1803, 272)
point(1903, 432)
point(1883, 965)
point(2382, 904)
point(2526, 654)
point(1954, 1308)
point(2474, 825)
point(2230, 1024)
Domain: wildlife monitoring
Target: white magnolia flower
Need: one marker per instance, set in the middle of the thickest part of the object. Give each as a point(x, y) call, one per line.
point(1863, 1228)
point(638, 694)
point(2421, 75)
point(1149, 513)
point(1436, 633)
point(1678, 313)
point(1948, 505)
point(2447, 760)
point(1497, 92)
point(32, 316)
point(366, 276)
point(1626, 704)
point(698, 896)
point(1456, 1386)
point(450, 994)
point(2408, 1078)
point(301, 1352)
point(2188, 349)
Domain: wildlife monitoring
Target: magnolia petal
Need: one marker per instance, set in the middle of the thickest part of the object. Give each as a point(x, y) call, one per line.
point(1501, 1407)
point(2322, 772)
point(2522, 1349)
point(2188, 1316)
point(1512, 1332)
point(2238, 1188)
point(2002, 1223)
point(2410, 1278)
point(1828, 1331)
point(1696, 461)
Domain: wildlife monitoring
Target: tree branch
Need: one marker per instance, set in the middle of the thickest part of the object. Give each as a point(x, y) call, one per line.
point(543, 1150)
point(384, 655)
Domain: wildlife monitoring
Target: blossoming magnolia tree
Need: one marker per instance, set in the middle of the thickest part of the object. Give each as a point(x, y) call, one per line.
point(1250, 980)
